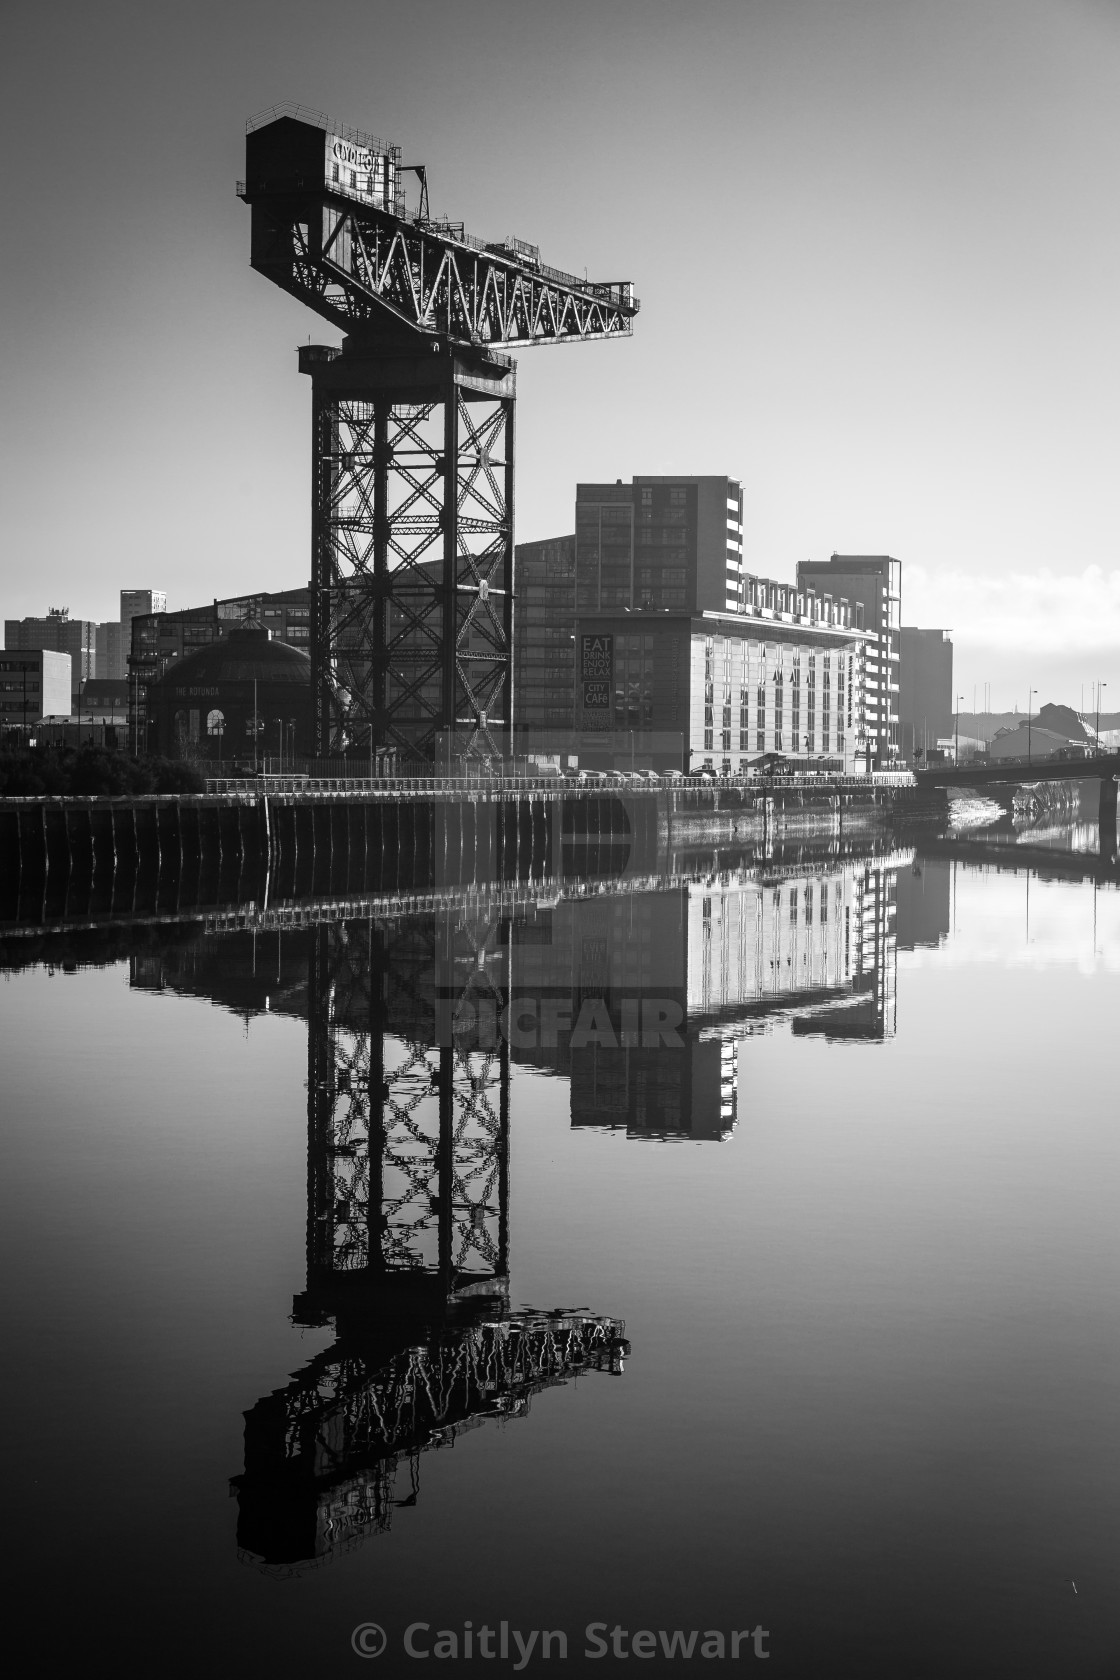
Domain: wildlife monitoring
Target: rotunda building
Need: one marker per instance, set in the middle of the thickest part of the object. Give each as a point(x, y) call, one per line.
point(211, 703)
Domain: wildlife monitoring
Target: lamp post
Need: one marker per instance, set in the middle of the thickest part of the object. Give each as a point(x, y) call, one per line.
point(957, 738)
point(1100, 685)
point(1031, 692)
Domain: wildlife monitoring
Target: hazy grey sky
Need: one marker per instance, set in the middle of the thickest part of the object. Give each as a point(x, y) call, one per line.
point(875, 241)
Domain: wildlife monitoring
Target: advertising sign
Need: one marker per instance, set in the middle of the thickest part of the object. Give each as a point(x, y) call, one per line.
point(597, 657)
point(596, 664)
point(361, 170)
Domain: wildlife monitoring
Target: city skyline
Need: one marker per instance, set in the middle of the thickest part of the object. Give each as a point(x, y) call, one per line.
point(908, 204)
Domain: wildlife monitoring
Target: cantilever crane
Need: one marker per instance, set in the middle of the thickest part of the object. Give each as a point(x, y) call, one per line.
point(412, 452)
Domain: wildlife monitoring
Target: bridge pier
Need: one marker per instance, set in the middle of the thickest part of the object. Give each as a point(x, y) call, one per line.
point(1107, 817)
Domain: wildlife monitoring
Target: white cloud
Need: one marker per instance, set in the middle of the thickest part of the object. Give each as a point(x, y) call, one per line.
point(1039, 611)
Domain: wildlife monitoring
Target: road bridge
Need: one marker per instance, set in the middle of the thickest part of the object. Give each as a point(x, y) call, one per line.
point(1021, 771)
point(1027, 772)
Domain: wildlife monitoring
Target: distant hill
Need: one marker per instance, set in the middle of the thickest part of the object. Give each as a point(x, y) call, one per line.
point(982, 726)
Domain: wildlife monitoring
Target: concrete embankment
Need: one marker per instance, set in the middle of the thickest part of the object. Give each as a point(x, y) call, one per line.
point(755, 813)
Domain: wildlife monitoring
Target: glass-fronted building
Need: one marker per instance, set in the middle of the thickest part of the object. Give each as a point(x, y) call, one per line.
point(785, 678)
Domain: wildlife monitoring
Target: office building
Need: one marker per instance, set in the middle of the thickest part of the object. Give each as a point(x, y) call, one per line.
point(56, 633)
point(925, 696)
point(136, 602)
point(111, 650)
point(544, 626)
point(160, 638)
point(660, 544)
point(654, 545)
point(34, 684)
point(718, 690)
point(874, 582)
point(114, 638)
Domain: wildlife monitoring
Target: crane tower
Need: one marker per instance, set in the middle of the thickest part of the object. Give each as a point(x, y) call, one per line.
point(412, 431)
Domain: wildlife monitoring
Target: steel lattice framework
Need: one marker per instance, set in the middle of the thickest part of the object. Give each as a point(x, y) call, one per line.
point(412, 557)
point(408, 1103)
point(413, 421)
point(327, 1451)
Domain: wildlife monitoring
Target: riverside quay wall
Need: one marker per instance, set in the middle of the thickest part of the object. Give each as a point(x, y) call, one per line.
point(400, 833)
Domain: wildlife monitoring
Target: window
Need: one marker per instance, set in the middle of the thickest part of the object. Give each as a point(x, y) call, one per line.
point(215, 723)
point(334, 172)
point(709, 692)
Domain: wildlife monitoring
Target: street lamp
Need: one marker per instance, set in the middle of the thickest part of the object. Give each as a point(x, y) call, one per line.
point(1100, 686)
point(1031, 692)
point(957, 740)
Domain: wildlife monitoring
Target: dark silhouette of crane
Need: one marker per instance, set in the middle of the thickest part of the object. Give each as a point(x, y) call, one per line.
point(412, 432)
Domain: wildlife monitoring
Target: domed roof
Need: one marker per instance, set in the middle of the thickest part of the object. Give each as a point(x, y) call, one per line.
point(239, 657)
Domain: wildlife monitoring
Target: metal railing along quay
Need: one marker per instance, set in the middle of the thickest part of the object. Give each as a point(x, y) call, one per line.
point(404, 787)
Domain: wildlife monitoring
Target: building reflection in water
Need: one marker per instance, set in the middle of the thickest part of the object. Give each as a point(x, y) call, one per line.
point(709, 960)
point(638, 997)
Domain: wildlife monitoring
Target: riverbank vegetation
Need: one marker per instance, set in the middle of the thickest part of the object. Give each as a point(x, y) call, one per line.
point(34, 771)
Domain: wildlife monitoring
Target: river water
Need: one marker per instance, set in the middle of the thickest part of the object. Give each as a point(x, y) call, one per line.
point(735, 1254)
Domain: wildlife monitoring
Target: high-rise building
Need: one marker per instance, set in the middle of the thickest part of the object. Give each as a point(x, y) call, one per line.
point(655, 545)
point(135, 602)
point(34, 684)
point(544, 639)
point(925, 699)
point(57, 633)
point(114, 640)
point(875, 582)
point(111, 660)
point(673, 543)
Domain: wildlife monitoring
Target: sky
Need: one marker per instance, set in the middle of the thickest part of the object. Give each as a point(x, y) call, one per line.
point(876, 244)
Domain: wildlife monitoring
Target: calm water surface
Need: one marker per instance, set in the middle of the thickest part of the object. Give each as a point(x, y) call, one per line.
point(806, 1320)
